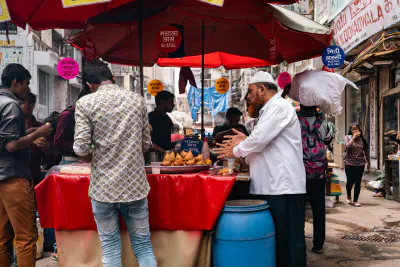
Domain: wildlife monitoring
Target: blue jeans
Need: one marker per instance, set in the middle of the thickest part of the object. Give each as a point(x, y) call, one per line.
point(136, 217)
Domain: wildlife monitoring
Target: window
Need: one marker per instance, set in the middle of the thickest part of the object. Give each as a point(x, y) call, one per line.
point(119, 81)
point(43, 88)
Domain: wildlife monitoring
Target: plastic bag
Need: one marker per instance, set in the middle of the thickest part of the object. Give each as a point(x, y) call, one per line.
point(75, 168)
point(329, 202)
point(319, 88)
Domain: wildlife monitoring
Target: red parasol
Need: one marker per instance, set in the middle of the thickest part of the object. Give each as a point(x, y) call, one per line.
point(50, 14)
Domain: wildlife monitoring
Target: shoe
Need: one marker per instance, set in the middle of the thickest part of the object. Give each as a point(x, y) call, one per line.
point(318, 251)
point(348, 201)
point(357, 204)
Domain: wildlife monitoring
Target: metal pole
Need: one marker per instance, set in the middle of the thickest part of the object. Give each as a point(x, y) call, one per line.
point(202, 78)
point(140, 31)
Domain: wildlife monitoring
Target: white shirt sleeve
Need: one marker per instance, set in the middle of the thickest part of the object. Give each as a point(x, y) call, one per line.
point(271, 123)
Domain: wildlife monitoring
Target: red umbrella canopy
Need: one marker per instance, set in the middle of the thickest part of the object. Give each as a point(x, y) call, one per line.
point(50, 14)
point(244, 34)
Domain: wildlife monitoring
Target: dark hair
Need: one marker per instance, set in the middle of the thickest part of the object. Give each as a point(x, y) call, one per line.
point(163, 96)
point(233, 112)
point(365, 144)
point(269, 86)
point(31, 98)
point(14, 72)
point(82, 93)
point(96, 72)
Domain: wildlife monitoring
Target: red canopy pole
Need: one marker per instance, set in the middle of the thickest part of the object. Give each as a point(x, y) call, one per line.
point(202, 79)
point(140, 31)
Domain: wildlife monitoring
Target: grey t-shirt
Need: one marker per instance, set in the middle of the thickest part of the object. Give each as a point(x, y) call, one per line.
point(12, 127)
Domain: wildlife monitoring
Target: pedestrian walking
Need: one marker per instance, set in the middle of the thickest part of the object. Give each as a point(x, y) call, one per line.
point(275, 155)
point(356, 156)
point(315, 135)
point(112, 132)
point(17, 200)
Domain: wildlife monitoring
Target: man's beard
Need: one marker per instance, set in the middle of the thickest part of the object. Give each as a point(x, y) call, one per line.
point(253, 108)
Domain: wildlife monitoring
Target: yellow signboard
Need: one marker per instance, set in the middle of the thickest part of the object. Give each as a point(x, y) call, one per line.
point(74, 3)
point(154, 87)
point(222, 85)
point(214, 2)
point(4, 13)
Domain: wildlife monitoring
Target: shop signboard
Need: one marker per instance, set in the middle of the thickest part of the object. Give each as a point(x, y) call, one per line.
point(361, 19)
point(89, 50)
point(284, 79)
point(4, 13)
point(29, 56)
point(68, 68)
point(333, 57)
point(302, 7)
point(222, 85)
point(169, 39)
point(75, 3)
point(322, 11)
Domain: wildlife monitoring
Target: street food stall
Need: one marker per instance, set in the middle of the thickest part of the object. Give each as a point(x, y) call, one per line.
point(182, 205)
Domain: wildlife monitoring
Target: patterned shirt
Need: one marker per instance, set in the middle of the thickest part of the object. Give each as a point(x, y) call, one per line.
point(354, 154)
point(114, 121)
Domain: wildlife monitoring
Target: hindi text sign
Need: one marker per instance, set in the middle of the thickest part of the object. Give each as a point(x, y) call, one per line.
point(222, 85)
point(219, 3)
point(68, 68)
point(284, 79)
point(333, 57)
point(4, 13)
point(169, 39)
point(154, 87)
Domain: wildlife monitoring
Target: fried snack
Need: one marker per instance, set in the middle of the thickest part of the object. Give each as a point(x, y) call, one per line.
point(222, 171)
point(189, 156)
point(190, 162)
point(208, 162)
point(166, 163)
point(199, 158)
point(172, 156)
point(178, 162)
point(200, 163)
point(178, 156)
point(37, 140)
point(183, 153)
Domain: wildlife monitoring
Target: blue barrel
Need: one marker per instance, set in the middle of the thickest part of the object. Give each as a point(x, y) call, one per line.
point(244, 235)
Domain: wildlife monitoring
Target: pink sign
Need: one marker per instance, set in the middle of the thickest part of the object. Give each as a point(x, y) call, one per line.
point(68, 68)
point(284, 79)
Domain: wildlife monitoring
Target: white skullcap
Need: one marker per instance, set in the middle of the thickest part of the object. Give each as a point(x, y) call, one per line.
point(262, 77)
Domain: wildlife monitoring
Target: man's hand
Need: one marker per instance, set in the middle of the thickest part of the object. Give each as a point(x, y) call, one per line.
point(236, 139)
point(224, 151)
point(44, 130)
point(44, 145)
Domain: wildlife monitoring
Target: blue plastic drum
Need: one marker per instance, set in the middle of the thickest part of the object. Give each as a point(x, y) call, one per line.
point(244, 235)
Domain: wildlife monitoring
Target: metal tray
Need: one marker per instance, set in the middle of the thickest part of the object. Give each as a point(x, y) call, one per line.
point(181, 169)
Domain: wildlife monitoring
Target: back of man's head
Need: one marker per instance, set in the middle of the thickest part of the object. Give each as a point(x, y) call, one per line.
point(31, 98)
point(163, 96)
point(96, 72)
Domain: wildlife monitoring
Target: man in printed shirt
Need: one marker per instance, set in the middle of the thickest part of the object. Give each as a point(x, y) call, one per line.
point(275, 155)
point(114, 121)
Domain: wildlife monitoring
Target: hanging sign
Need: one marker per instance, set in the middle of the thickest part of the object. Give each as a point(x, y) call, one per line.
point(89, 49)
point(74, 3)
point(333, 57)
point(284, 79)
point(4, 13)
point(222, 85)
point(219, 3)
point(68, 68)
point(154, 87)
point(169, 39)
point(272, 49)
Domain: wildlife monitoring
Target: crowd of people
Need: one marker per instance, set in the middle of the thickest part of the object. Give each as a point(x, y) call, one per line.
point(110, 127)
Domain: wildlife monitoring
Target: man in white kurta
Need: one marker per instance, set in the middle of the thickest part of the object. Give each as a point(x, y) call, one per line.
point(275, 155)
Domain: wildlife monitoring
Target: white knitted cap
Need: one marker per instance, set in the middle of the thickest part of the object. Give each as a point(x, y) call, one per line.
point(262, 77)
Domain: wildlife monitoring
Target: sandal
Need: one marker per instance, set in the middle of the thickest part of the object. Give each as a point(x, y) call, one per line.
point(54, 257)
point(349, 201)
point(357, 204)
point(378, 195)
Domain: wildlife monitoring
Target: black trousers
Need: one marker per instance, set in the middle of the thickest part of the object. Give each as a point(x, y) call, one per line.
point(354, 175)
point(288, 213)
point(316, 197)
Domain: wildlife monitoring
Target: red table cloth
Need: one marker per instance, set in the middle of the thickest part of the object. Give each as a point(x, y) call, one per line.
point(176, 202)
